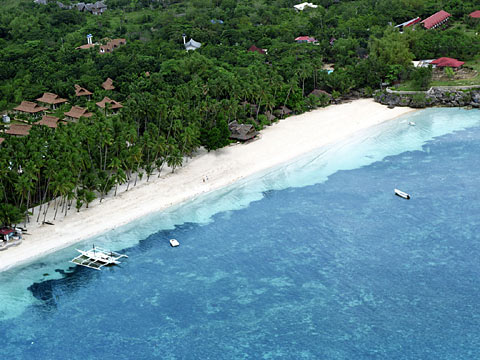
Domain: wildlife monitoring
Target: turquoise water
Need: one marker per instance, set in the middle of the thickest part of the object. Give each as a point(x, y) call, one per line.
point(316, 259)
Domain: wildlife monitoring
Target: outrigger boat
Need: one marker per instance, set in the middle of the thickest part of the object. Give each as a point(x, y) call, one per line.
point(96, 258)
point(10, 237)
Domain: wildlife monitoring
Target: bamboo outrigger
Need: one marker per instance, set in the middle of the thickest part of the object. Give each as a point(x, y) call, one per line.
point(96, 258)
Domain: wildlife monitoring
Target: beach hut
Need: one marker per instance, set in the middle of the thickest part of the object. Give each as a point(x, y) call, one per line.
point(270, 116)
point(282, 111)
point(241, 132)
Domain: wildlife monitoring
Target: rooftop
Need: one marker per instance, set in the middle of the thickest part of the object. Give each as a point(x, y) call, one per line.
point(80, 91)
point(108, 84)
point(48, 120)
point(253, 48)
point(29, 107)
point(50, 98)
point(19, 129)
point(475, 14)
point(435, 19)
point(114, 104)
point(77, 112)
point(447, 62)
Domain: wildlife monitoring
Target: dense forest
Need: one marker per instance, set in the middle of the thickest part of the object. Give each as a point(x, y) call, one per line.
point(175, 101)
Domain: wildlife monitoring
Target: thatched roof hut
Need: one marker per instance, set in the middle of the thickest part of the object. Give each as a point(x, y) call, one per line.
point(242, 132)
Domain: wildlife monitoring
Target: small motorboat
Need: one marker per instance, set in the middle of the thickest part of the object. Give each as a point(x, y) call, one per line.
point(411, 123)
point(174, 242)
point(402, 194)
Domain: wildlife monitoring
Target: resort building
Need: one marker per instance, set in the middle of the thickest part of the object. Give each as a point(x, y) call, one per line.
point(253, 48)
point(444, 62)
point(114, 105)
point(80, 91)
point(108, 84)
point(48, 120)
point(31, 108)
point(408, 23)
point(475, 14)
point(436, 20)
point(306, 39)
point(51, 100)
point(302, 6)
point(76, 112)
point(241, 132)
point(19, 130)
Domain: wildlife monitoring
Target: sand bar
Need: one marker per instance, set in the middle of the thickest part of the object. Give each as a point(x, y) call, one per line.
point(278, 144)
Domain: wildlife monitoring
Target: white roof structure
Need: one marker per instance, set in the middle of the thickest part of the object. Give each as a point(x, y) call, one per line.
point(192, 45)
point(302, 6)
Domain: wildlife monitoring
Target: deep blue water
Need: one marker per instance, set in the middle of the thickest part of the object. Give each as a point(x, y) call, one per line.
point(318, 263)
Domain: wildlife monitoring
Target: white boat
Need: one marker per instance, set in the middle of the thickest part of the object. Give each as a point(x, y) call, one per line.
point(174, 242)
point(411, 123)
point(10, 237)
point(97, 257)
point(402, 194)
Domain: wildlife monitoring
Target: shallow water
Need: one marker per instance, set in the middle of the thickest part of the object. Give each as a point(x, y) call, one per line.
point(316, 259)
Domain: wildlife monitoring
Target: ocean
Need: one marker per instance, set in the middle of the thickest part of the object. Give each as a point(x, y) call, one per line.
point(315, 259)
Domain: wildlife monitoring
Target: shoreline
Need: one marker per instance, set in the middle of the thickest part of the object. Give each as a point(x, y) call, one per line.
point(205, 172)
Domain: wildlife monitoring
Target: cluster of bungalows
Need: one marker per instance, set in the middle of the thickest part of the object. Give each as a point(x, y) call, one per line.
point(50, 101)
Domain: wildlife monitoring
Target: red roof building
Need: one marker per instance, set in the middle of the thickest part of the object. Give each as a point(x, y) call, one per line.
point(2, 140)
point(305, 39)
point(438, 19)
point(253, 48)
point(447, 62)
point(408, 23)
point(475, 14)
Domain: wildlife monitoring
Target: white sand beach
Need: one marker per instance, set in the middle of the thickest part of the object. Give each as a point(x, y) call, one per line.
point(279, 143)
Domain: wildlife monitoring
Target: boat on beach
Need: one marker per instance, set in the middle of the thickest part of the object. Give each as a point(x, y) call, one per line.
point(402, 194)
point(10, 237)
point(96, 258)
